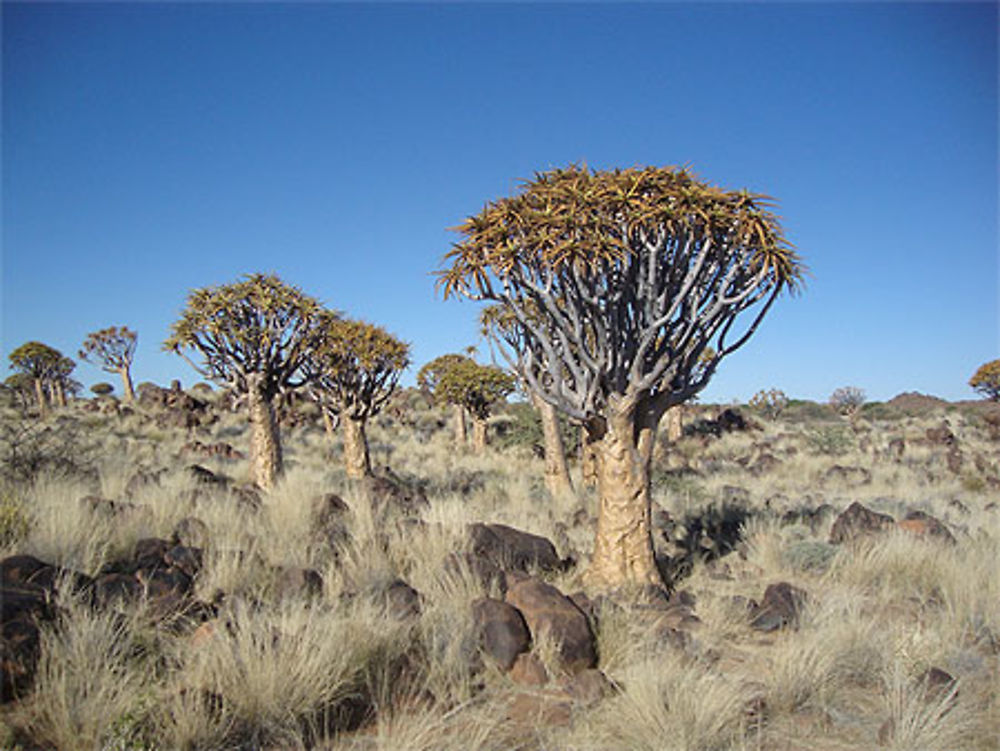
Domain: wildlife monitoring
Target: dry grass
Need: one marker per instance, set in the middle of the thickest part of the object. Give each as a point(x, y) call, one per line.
point(283, 671)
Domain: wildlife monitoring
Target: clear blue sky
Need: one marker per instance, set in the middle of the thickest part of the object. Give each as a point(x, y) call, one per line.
point(152, 148)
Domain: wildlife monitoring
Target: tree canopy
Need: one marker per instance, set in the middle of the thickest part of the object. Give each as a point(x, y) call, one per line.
point(259, 326)
point(476, 387)
point(111, 349)
point(621, 280)
point(986, 380)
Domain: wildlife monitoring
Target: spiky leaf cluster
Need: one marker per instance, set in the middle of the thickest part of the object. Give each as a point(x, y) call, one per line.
point(620, 280)
point(354, 367)
point(111, 349)
point(986, 380)
point(259, 329)
point(476, 387)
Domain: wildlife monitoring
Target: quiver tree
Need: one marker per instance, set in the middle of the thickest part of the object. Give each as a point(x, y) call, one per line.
point(620, 281)
point(428, 378)
point(253, 337)
point(60, 382)
point(495, 321)
point(476, 388)
point(43, 365)
point(847, 401)
point(353, 370)
point(112, 350)
point(986, 380)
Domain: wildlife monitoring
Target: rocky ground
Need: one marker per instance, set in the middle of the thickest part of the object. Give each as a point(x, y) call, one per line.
point(829, 584)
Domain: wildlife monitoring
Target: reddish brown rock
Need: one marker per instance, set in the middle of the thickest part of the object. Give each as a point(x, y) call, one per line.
point(781, 606)
point(512, 549)
point(550, 614)
point(528, 670)
point(502, 631)
point(858, 521)
point(924, 525)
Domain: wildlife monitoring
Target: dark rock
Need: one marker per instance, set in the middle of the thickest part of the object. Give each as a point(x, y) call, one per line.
point(388, 492)
point(588, 687)
point(941, 435)
point(19, 569)
point(924, 525)
point(849, 475)
point(781, 606)
point(858, 521)
point(513, 550)
point(487, 573)
point(502, 631)
point(112, 588)
point(26, 601)
point(401, 601)
point(550, 614)
point(19, 652)
point(191, 532)
point(150, 551)
point(203, 476)
point(189, 560)
point(298, 582)
point(937, 684)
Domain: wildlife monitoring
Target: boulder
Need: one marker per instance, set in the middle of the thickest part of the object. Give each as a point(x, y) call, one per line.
point(501, 629)
point(941, 435)
point(781, 606)
point(550, 614)
point(858, 521)
point(190, 532)
point(511, 549)
point(18, 570)
point(19, 652)
point(924, 525)
point(528, 670)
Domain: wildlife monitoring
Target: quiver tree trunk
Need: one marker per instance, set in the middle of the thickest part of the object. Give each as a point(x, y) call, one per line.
point(588, 459)
point(265, 442)
point(127, 385)
point(356, 459)
point(479, 437)
point(43, 405)
point(675, 423)
point(556, 471)
point(623, 549)
point(458, 419)
point(327, 423)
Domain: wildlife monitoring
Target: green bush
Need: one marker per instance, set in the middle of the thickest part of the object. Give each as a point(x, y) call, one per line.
point(811, 556)
point(832, 440)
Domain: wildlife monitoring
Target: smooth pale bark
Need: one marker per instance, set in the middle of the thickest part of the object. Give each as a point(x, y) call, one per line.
point(356, 459)
point(458, 418)
point(479, 437)
point(127, 385)
point(265, 443)
point(588, 460)
point(557, 479)
point(43, 405)
point(623, 548)
point(59, 393)
point(675, 423)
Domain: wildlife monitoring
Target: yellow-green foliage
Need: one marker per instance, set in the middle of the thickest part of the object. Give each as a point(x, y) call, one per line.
point(476, 387)
point(986, 380)
point(111, 349)
point(355, 366)
point(258, 326)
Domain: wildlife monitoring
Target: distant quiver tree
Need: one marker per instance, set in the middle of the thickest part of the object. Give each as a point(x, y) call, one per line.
point(477, 388)
point(986, 380)
point(353, 370)
point(428, 378)
point(43, 365)
point(253, 337)
point(847, 400)
point(112, 350)
point(620, 280)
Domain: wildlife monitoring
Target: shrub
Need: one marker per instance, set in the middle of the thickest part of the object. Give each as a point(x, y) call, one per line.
point(101, 389)
point(847, 400)
point(831, 441)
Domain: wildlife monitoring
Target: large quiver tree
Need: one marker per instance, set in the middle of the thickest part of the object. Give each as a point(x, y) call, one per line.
point(620, 281)
point(253, 337)
point(112, 350)
point(353, 370)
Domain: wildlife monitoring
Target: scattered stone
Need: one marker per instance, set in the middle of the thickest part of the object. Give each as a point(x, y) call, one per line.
point(203, 476)
point(502, 631)
point(550, 614)
point(191, 532)
point(941, 435)
point(849, 475)
point(858, 521)
point(588, 687)
point(531, 710)
point(297, 582)
point(896, 449)
point(112, 588)
point(401, 601)
point(387, 492)
point(528, 670)
point(781, 606)
point(511, 549)
point(18, 570)
point(186, 559)
point(924, 525)
point(19, 652)
point(487, 573)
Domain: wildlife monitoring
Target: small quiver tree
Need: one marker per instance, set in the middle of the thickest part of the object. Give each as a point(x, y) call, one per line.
point(986, 380)
point(42, 364)
point(847, 401)
point(428, 378)
point(253, 337)
point(769, 402)
point(620, 281)
point(353, 370)
point(496, 321)
point(476, 388)
point(112, 350)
